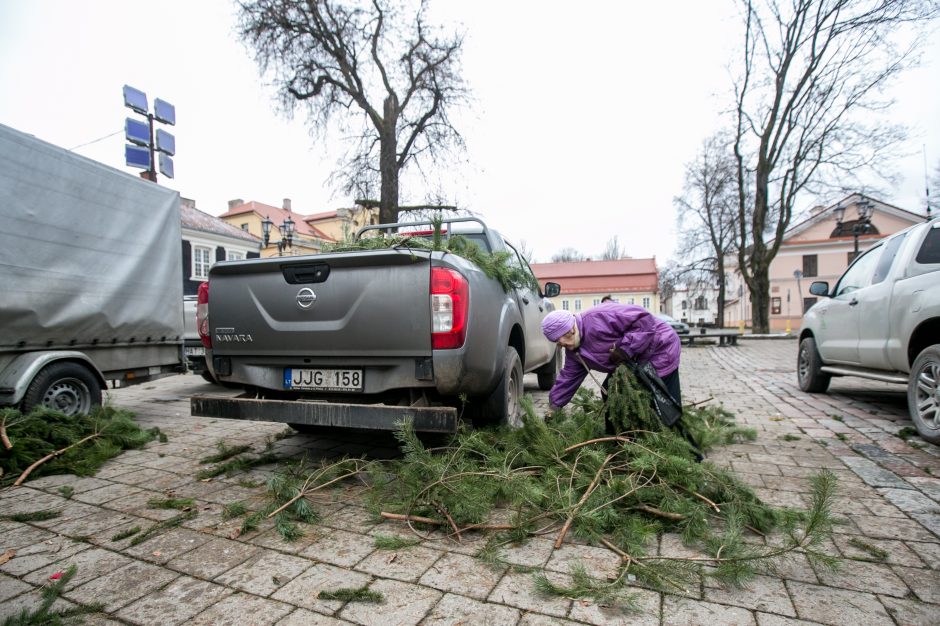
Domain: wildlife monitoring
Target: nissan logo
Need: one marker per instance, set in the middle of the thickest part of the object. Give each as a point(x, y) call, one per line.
point(306, 298)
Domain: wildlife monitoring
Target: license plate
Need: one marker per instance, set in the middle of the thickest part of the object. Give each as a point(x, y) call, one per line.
point(194, 351)
point(322, 379)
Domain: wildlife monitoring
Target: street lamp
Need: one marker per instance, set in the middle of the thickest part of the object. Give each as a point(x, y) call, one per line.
point(286, 229)
point(861, 226)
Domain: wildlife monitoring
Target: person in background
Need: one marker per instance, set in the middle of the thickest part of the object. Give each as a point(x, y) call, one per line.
point(601, 337)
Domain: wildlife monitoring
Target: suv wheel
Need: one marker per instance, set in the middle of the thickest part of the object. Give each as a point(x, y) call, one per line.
point(503, 405)
point(808, 365)
point(923, 394)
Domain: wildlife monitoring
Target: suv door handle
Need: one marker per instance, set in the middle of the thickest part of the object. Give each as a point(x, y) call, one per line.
point(853, 302)
point(525, 300)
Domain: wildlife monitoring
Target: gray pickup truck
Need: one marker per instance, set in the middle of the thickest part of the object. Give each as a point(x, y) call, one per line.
point(881, 321)
point(367, 338)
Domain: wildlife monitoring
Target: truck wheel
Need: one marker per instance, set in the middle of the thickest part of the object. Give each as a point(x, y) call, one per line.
point(549, 372)
point(65, 387)
point(503, 404)
point(923, 394)
point(807, 368)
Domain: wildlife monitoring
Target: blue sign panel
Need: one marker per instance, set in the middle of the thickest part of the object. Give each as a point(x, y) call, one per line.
point(135, 156)
point(135, 99)
point(164, 112)
point(166, 142)
point(137, 132)
point(166, 165)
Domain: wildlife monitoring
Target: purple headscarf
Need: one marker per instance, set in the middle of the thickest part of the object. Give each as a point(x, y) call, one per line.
point(556, 324)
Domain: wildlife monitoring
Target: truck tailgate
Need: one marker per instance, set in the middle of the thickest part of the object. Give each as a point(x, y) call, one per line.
point(350, 304)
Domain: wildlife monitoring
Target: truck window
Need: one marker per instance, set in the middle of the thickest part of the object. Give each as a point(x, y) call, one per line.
point(929, 252)
point(860, 274)
point(887, 258)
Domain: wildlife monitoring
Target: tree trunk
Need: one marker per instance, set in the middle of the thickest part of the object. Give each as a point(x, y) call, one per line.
point(760, 300)
point(388, 162)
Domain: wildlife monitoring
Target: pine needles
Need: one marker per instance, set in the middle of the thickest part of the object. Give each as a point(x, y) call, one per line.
point(70, 444)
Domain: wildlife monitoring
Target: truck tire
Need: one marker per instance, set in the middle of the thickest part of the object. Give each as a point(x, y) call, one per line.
point(69, 388)
point(923, 394)
point(808, 364)
point(503, 405)
point(548, 373)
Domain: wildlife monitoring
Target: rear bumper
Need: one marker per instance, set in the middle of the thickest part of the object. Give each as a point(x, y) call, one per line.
point(441, 419)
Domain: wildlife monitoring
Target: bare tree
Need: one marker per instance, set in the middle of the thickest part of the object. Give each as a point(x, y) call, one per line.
point(376, 69)
point(813, 71)
point(708, 220)
point(567, 255)
point(613, 251)
point(527, 253)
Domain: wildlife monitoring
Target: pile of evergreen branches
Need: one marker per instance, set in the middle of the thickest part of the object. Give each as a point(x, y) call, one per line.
point(565, 477)
point(77, 444)
point(499, 266)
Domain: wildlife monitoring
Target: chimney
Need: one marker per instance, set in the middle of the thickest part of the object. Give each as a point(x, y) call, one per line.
point(286, 205)
point(234, 203)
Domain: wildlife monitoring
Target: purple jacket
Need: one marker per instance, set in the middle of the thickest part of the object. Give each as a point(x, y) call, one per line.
point(633, 329)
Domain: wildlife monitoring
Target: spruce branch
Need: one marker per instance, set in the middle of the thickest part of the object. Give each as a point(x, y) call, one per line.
point(52, 455)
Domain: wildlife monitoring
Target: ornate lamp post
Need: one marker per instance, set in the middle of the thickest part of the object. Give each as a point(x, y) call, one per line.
point(286, 229)
point(861, 226)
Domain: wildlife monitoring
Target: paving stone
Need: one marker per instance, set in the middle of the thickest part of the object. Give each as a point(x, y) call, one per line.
point(456, 609)
point(768, 619)
point(923, 582)
point(682, 611)
point(898, 553)
point(892, 528)
point(912, 612)
point(302, 591)
point(167, 545)
point(11, 587)
point(122, 586)
point(176, 603)
point(405, 604)
point(929, 486)
point(600, 562)
point(930, 521)
point(864, 576)
point(264, 573)
point(93, 524)
point(42, 555)
point(647, 605)
point(339, 547)
point(212, 558)
point(89, 565)
point(838, 607)
point(30, 602)
point(762, 593)
point(910, 500)
point(928, 552)
point(518, 590)
point(462, 574)
point(872, 473)
point(303, 617)
point(238, 609)
point(407, 564)
point(538, 619)
point(272, 538)
point(110, 491)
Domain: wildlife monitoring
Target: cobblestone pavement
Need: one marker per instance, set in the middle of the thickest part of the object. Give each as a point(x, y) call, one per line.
point(198, 573)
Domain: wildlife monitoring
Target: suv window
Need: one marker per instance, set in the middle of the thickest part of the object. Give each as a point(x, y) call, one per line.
point(861, 273)
point(887, 258)
point(930, 249)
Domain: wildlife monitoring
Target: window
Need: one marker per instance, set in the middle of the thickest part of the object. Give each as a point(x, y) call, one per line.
point(201, 262)
point(646, 303)
point(245, 227)
point(629, 301)
point(234, 256)
point(775, 306)
point(808, 302)
point(887, 258)
point(701, 303)
point(596, 301)
point(810, 265)
point(577, 304)
point(564, 305)
point(685, 304)
point(860, 274)
point(930, 250)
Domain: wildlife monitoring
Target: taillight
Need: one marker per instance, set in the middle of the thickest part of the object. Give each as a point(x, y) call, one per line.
point(202, 314)
point(450, 301)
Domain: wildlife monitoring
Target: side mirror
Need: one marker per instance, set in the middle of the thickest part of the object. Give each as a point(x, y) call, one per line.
point(552, 290)
point(819, 288)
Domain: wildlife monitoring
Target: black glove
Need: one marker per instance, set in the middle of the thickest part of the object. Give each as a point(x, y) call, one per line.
point(617, 355)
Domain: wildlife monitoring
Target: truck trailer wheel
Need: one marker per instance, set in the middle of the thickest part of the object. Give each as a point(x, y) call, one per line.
point(503, 404)
point(65, 387)
point(549, 372)
point(923, 394)
point(807, 368)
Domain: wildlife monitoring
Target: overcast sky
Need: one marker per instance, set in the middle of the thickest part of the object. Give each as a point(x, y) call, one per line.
point(581, 124)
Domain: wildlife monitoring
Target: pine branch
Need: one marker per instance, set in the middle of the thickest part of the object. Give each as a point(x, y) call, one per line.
point(48, 457)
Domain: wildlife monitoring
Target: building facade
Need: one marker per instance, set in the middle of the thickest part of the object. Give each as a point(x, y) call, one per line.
point(250, 217)
point(206, 240)
point(585, 283)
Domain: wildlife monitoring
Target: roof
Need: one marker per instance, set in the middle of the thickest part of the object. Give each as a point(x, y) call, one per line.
point(825, 213)
point(194, 219)
point(623, 275)
point(277, 215)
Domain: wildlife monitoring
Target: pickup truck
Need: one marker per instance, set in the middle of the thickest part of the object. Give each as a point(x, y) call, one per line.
point(881, 321)
point(369, 337)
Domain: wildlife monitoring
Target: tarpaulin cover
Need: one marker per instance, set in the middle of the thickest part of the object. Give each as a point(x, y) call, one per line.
point(89, 255)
